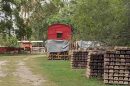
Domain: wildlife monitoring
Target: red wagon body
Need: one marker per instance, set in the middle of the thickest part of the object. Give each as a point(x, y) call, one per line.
point(59, 36)
point(59, 32)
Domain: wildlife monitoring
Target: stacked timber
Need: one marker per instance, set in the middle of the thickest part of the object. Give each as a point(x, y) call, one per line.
point(79, 59)
point(95, 64)
point(59, 56)
point(117, 66)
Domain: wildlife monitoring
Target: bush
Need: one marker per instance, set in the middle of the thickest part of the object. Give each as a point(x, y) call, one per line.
point(9, 42)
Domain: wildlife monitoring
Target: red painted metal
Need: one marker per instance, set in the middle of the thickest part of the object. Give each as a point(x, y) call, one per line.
point(26, 45)
point(9, 49)
point(63, 30)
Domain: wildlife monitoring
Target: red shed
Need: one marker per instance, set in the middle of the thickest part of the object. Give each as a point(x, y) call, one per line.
point(59, 32)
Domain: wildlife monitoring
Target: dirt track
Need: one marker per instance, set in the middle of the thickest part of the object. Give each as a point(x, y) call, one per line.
point(15, 72)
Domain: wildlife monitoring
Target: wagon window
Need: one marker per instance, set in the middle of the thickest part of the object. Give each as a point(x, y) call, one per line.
point(59, 35)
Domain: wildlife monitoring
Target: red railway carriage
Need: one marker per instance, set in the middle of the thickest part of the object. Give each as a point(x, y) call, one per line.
point(59, 32)
point(58, 41)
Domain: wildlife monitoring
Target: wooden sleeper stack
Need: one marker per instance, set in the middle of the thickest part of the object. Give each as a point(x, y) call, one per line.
point(117, 66)
point(95, 64)
point(59, 56)
point(79, 59)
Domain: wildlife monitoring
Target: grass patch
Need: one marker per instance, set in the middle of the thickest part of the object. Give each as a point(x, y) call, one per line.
point(60, 72)
point(56, 73)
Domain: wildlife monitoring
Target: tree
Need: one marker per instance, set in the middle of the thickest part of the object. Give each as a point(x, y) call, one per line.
point(100, 20)
point(6, 14)
point(56, 11)
point(21, 14)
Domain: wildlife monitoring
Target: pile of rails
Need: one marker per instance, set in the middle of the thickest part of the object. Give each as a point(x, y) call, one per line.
point(117, 66)
point(79, 59)
point(59, 56)
point(95, 64)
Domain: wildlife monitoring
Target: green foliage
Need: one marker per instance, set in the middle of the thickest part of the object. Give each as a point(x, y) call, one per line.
point(100, 20)
point(2, 26)
point(58, 20)
point(8, 41)
point(6, 7)
point(11, 42)
point(43, 16)
point(38, 20)
point(24, 31)
point(6, 23)
point(28, 32)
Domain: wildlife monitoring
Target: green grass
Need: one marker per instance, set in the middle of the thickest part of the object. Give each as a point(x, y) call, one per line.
point(56, 73)
point(60, 72)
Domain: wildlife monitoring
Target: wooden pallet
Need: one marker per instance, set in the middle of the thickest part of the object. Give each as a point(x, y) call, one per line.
point(59, 56)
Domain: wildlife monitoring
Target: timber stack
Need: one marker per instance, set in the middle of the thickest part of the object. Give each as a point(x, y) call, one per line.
point(117, 66)
point(95, 64)
point(79, 59)
point(59, 56)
